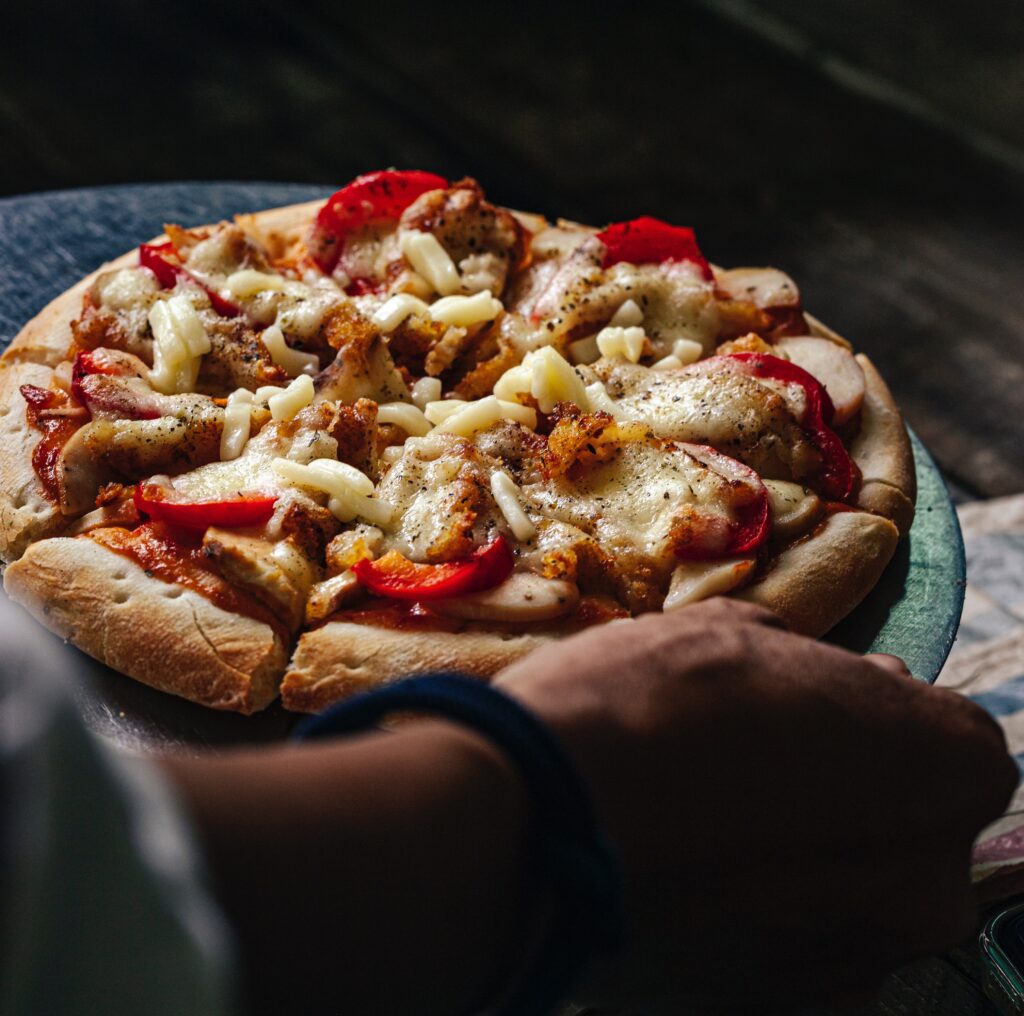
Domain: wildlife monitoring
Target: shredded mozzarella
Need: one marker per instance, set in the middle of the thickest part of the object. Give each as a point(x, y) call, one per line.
point(237, 419)
point(427, 389)
point(179, 342)
point(248, 282)
point(392, 312)
point(409, 418)
point(463, 311)
point(439, 411)
point(292, 360)
point(425, 253)
point(687, 351)
point(287, 402)
point(628, 314)
point(350, 492)
point(506, 496)
point(483, 413)
point(624, 342)
point(127, 288)
point(667, 363)
point(600, 401)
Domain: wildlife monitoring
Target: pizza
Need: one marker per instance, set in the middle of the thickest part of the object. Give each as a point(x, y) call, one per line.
point(321, 447)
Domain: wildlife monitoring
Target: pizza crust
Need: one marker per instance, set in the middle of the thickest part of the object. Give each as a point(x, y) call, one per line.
point(817, 581)
point(341, 659)
point(157, 632)
point(26, 514)
point(883, 453)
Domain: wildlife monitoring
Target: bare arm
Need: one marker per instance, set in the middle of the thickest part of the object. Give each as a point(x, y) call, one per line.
point(780, 806)
point(384, 871)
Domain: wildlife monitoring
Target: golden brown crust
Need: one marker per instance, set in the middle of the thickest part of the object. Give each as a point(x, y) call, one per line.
point(26, 514)
point(341, 659)
point(883, 453)
point(816, 582)
point(159, 633)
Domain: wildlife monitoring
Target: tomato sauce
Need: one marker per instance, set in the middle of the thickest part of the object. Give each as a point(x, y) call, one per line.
point(56, 431)
point(173, 556)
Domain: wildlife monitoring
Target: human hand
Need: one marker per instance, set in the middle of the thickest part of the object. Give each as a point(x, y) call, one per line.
point(793, 820)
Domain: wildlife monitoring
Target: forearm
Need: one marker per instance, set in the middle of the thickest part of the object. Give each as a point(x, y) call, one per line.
point(385, 872)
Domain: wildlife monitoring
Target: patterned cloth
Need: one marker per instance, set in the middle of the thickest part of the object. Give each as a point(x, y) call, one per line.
point(987, 665)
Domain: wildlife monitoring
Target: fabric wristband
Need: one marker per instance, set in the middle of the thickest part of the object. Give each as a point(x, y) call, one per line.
point(570, 851)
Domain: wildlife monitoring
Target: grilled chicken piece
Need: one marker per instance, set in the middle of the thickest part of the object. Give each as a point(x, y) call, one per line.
point(107, 450)
point(738, 415)
point(486, 243)
point(362, 368)
point(278, 574)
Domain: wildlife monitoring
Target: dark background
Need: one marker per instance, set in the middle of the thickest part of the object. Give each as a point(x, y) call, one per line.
point(875, 150)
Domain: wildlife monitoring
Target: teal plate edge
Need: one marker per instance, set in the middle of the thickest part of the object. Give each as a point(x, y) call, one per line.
point(915, 609)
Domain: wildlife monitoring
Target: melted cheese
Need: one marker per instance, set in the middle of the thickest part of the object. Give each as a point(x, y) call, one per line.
point(127, 288)
point(425, 391)
point(545, 375)
point(628, 315)
point(291, 360)
point(179, 342)
point(438, 412)
point(667, 363)
point(463, 311)
point(409, 418)
point(237, 417)
point(425, 253)
point(288, 401)
point(349, 490)
point(392, 312)
point(687, 351)
point(739, 415)
point(600, 401)
point(484, 413)
point(248, 282)
point(630, 502)
point(506, 496)
point(625, 342)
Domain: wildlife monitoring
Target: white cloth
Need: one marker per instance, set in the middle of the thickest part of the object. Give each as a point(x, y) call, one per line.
point(102, 908)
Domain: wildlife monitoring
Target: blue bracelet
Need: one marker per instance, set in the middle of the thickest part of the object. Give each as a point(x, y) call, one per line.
point(571, 852)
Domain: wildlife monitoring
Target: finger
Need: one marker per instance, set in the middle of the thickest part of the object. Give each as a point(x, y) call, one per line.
point(889, 662)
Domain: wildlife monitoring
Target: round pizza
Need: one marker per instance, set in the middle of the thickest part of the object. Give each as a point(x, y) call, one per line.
point(322, 447)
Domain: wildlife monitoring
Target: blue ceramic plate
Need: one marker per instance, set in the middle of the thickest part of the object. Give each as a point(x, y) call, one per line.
point(51, 240)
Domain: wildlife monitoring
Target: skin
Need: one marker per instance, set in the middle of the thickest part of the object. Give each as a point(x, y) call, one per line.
point(779, 806)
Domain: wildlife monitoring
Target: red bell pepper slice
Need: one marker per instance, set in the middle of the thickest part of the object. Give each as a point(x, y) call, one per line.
point(752, 519)
point(398, 578)
point(87, 362)
point(150, 500)
point(839, 474)
point(157, 257)
point(647, 240)
point(372, 196)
